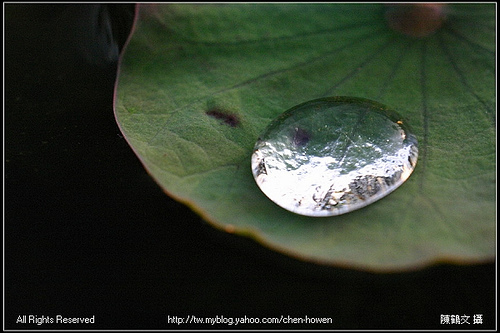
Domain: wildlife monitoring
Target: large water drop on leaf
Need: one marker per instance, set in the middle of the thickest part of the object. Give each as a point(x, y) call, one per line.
point(331, 156)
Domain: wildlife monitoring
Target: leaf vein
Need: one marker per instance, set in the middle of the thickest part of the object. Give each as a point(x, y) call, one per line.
point(425, 114)
point(298, 65)
point(490, 112)
point(357, 68)
point(392, 74)
point(474, 45)
point(279, 38)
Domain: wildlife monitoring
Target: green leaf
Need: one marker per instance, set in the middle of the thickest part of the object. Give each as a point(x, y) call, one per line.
point(199, 83)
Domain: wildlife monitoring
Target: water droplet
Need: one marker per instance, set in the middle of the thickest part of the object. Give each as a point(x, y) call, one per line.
point(333, 155)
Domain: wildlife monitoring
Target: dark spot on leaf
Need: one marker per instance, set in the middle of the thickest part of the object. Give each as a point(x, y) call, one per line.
point(416, 20)
point(300, 137)
point(228, 118)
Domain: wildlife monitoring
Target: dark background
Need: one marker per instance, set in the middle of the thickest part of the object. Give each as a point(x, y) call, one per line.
point(88, 232)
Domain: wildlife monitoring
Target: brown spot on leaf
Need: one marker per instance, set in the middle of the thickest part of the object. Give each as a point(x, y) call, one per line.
point(416, 20)
point(228, 118)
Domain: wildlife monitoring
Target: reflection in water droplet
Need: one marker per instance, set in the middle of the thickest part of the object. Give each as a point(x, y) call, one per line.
point(331, 156)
